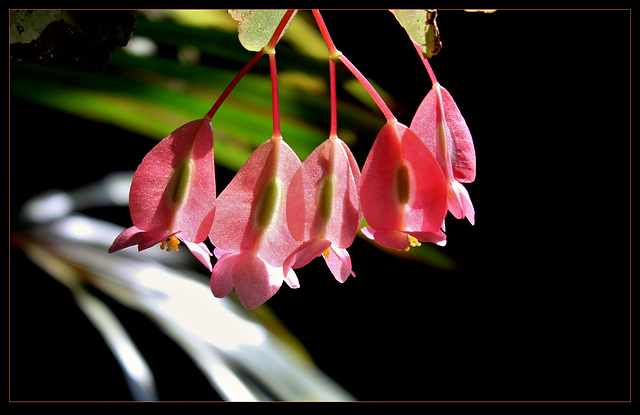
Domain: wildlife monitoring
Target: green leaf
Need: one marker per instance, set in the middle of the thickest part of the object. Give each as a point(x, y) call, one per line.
point(256, 27)
point(422, 29)
point(27, 25)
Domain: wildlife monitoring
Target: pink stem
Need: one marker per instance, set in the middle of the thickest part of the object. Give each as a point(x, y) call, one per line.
point(370, 89)
point(270, 46)
point(333, 52)
point(276, 35)
point(336, 54)
point(274, 97)
point(333, 132)
point(426, 63)
point(232, 85)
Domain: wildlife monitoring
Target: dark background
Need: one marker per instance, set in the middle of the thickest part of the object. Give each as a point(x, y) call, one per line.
point(539, 305)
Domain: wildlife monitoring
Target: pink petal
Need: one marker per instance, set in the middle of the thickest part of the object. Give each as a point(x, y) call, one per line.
point(135, 236)
point(453, 202)
point(460, 148)
point(429, 124)
point(290, 277)
point(200, 251)
point(424, 120)
point(392, 239)
point(174, 186)
point(298, 216)
point(219, 253)
point(222, 276)
point(258, 189)
point(339, 262)
point(462, 202)
point(306, 253)
point(346, 216)
point(368, 232)
point(254, 281)
point(427, 205)
point(377, 191)
point(323, 200)
point(417, 203)
point(463, 154)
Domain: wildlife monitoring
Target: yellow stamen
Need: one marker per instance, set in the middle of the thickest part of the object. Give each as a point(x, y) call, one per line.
point(172, 242)
point(413, 242)
point(327, 252)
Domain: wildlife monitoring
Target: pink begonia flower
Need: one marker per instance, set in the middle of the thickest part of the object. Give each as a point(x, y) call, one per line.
point(403, 191)
point(173, 193)
point(250, 228)
point(323, 208)
point(439, 123)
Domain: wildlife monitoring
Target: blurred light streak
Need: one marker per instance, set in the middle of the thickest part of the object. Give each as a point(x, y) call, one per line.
point(137, 373)
point(241, 358)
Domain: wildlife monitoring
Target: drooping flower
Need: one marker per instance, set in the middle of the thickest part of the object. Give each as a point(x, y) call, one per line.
point(323, 207)
point(250, 228)
point(403, 192)
point(173, 193)
point(440, 124)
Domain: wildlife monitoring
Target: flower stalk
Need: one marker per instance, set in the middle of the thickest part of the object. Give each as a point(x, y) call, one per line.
point(336, 54)
point(232, 85)
point(275, 103)
point(269, 49)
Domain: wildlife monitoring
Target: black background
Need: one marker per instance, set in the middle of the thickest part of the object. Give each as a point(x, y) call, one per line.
point(539, 306)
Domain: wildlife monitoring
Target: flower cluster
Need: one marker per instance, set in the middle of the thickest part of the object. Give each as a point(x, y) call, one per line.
point(279, 213)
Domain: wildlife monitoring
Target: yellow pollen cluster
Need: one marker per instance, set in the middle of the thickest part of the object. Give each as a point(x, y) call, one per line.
point(172, 242)
point(327, 252)
point(413, 242)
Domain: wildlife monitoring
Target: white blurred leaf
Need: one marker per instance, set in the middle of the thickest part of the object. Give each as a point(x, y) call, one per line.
point(241, 358)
